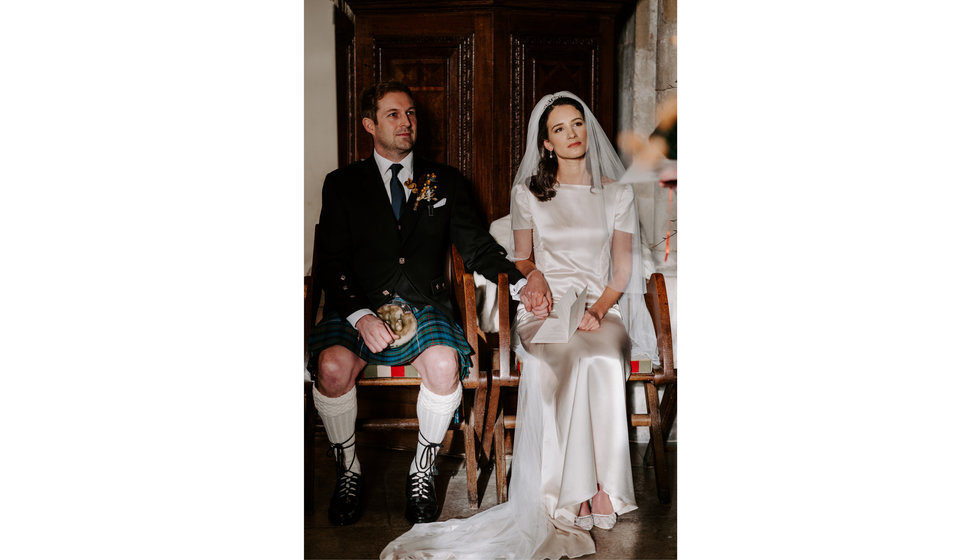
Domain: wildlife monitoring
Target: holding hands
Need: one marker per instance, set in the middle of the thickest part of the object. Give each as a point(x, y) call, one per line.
point(536, 297)
point(536, 294)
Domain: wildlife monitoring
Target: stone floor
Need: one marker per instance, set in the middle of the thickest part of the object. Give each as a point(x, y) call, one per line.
point(650, 532)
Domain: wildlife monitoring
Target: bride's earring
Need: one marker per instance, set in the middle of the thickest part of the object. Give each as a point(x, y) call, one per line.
point(551, 154)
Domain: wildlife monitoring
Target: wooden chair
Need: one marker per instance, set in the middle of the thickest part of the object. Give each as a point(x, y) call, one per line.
point(659, 416)
point(476, 381)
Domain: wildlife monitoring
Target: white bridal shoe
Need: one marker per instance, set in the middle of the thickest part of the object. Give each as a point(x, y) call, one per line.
point(584, 522)
point(604, 521)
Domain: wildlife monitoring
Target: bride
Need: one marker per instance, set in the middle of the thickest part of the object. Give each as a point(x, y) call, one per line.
point(574, 229)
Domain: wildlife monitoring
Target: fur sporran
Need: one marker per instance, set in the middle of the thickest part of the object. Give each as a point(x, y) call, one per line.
point(401, 320)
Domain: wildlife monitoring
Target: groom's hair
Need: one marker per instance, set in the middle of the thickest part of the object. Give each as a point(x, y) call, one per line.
point(373, 94)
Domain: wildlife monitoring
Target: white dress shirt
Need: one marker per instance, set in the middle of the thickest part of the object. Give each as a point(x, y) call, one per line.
point(404, 174)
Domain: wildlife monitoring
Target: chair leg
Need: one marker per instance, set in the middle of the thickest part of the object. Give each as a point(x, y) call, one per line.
point(471, 479)
point(479, 416)
point(668, 408)
point(500, 454)
point(493, 405)
point(657, 446)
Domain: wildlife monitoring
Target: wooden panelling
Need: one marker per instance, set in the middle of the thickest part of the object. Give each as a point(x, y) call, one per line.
point(347, 96)
point(477, 69)
point(439, 70)
point(545, 64)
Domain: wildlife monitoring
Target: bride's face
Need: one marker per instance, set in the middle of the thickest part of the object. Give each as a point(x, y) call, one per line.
point(567, 135)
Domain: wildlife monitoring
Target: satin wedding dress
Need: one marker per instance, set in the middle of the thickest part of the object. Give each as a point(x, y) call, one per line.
point(571, 432)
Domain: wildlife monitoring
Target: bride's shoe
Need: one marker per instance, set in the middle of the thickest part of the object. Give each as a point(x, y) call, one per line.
point(604, 521)
point(584, 522)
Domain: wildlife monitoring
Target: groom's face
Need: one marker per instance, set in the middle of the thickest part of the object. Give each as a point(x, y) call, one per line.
point(394, 126)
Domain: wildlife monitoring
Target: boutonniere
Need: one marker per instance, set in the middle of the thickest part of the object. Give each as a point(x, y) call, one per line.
point(427, 192)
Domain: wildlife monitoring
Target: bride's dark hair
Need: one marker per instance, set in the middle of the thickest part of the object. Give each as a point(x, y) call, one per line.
point(544, 184)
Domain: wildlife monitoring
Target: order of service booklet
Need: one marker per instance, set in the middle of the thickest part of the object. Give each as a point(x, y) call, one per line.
point(564, 318)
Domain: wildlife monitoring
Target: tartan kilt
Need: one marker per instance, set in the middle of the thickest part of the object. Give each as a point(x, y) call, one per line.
point(434, 328)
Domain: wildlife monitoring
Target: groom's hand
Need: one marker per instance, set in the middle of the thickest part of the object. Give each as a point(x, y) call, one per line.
point(536, 294)
point(376, 333)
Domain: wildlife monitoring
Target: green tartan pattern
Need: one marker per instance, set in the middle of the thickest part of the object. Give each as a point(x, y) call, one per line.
point(433, 329)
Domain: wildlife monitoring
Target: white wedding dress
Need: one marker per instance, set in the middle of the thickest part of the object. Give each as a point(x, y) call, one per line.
point(571, 434)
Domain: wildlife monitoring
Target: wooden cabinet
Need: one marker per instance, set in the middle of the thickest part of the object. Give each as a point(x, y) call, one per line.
point(477, 68)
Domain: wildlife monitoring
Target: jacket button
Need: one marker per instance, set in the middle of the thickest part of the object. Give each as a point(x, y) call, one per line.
point(342, 278)
point(386, 293)
point(401, 260)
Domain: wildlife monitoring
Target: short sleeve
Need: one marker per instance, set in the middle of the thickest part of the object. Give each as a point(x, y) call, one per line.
point(520, 208)
point(625, 220)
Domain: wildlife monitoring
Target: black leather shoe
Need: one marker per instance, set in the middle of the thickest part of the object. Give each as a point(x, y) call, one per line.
point(346, 505)
point(421, 506)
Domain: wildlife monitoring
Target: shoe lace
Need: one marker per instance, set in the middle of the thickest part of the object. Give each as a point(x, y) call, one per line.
point(347, 485)
point(420, 482)
point(419, 486)
point(347, 479)
point(428, 460)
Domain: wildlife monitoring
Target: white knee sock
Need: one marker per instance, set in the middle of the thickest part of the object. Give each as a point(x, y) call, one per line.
point(435, 413)
point(338, 417)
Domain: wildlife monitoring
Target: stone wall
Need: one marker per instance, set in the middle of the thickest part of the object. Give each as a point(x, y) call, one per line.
point(648, 62)
point(648, 76)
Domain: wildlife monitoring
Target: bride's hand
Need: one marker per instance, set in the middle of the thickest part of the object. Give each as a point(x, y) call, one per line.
point(536, 294)
point(590, 321)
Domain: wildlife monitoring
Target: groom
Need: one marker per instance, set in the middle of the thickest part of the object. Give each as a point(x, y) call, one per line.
point(386, 225)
